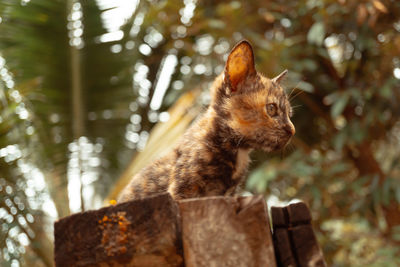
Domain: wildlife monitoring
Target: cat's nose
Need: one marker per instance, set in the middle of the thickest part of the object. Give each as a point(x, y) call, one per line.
point(289, 128)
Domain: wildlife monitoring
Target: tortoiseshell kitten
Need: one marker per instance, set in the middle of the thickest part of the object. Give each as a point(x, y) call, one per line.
point(248, 111)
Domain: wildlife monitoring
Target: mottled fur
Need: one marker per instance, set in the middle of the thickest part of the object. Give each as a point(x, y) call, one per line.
point(212, 157)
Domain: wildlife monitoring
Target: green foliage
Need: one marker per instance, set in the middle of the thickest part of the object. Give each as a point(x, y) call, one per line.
point(76, 105)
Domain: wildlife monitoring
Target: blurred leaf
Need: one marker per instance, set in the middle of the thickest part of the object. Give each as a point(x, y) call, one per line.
point(398, 194)
point(259, 179)
point(217, 24)
point(396, 233)
point(386, 191)
point(316, 34)
point(338, 168)
point(316, 193)
point(339, 105)
point(307, 87)
point(362, 13)
point(379, 6)
point(339, 140)
point(356, 205)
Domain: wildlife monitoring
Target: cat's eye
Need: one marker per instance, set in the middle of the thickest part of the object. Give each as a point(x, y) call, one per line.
point(272, 110)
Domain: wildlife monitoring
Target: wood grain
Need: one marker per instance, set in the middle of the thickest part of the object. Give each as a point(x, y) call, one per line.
point(137, 233)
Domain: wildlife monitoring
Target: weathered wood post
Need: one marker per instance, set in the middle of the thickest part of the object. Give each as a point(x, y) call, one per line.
point(212, 231)
point(222, 231)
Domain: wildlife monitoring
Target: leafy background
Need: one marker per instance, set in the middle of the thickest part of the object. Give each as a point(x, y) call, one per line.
point(83, 107)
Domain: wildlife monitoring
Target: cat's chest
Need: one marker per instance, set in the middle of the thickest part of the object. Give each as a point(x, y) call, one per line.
point(242, 162)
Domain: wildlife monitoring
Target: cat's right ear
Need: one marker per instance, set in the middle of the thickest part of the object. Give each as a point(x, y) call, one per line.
point(240, 65)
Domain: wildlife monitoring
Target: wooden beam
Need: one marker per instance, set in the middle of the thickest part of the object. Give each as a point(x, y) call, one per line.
point(210, 231)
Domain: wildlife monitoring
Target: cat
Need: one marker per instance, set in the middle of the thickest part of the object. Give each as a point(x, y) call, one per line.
point(247, 111)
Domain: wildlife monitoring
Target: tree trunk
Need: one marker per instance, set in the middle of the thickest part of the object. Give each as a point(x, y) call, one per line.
point(366, 164)
point(78, 126)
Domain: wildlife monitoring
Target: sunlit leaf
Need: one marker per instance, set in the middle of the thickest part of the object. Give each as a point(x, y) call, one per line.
point(316, 34)
point(379, 6)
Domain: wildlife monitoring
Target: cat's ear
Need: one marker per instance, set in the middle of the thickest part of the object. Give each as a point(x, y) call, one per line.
point(240, 65)
point(280, 77)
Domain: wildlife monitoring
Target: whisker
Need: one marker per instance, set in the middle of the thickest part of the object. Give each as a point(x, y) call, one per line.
point(296, 106)
point(292, 147)
point(291, 92)
point(289, 148)
point(240, 140)
point(297, 94)
point(294, 88)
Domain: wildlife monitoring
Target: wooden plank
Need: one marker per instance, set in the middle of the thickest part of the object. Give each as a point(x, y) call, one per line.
point(295, 241)
point(137, 233)
point(283, 250)
point(220, 231)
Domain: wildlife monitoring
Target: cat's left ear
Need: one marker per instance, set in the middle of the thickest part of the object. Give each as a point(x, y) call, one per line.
point(240, 65)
